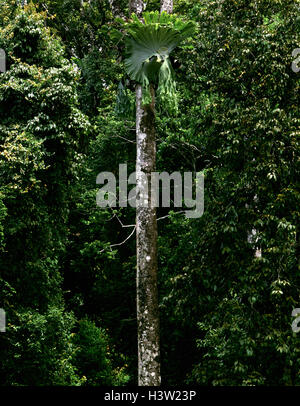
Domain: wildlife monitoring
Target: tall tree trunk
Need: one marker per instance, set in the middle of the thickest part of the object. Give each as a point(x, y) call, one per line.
point(146, 239)
point(115, 8)
point(166, 5)
point(146, 235)
point(136, 6)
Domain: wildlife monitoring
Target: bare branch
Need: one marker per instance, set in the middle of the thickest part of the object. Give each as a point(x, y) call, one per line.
point(124, 225)
point(120, 243)
point(169, 215)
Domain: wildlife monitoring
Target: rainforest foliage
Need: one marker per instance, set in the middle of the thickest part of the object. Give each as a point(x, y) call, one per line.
point(67, 113)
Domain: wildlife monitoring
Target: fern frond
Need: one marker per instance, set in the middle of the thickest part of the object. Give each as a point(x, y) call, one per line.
point(148, 47)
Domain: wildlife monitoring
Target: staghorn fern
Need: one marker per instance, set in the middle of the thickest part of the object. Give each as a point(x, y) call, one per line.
point(148, 48)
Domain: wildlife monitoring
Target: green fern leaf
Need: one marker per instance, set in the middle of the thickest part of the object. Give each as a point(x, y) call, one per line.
point(148, 47)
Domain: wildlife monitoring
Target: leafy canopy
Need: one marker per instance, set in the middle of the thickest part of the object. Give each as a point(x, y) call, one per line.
point(148, 47)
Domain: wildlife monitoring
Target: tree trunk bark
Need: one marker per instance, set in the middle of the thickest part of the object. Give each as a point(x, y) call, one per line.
point(146, 236)
point(166, 5)
point(146, 239)
point(115, 8)
point(136, 6)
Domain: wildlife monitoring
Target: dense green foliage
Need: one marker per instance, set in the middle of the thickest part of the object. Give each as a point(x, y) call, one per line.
point(68, 294)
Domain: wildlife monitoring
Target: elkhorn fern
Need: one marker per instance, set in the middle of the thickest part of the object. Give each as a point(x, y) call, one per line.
point(148, 48)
